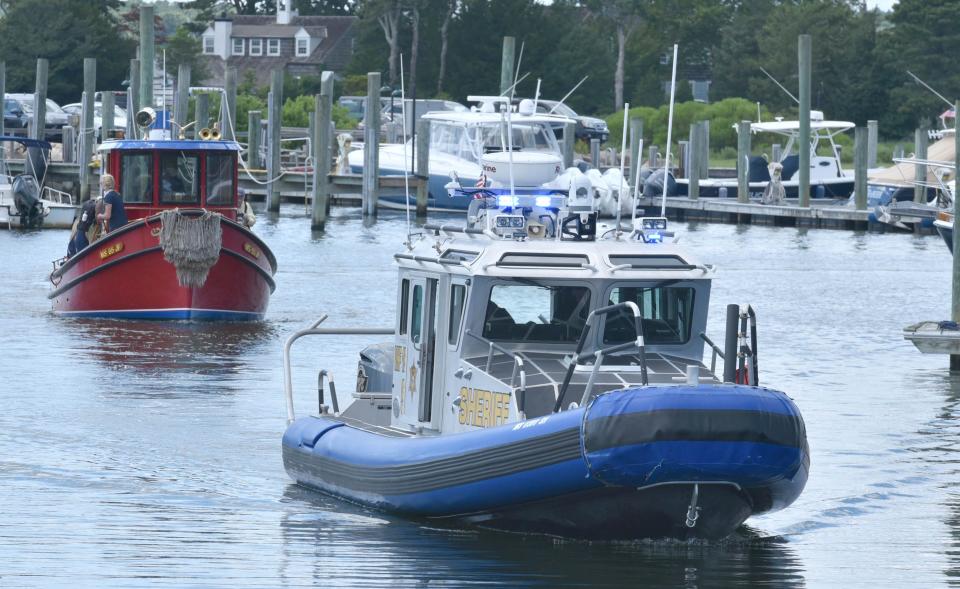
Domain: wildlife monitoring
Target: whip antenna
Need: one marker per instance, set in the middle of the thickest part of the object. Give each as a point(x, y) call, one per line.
point(927, 86)
point(666, 164)
point(779, 85)
point(406, 175)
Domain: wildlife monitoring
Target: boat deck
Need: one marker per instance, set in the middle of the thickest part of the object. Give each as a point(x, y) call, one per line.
point(545, 372)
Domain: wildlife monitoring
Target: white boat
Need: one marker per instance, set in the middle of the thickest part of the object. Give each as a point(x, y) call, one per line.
point(827, 176)
point(458, 141)
point(24, 201)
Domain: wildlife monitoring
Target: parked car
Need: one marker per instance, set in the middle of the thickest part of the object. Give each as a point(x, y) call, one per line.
point(119, 116)
point(55, 118)
point(587, 127)
point(13, 115)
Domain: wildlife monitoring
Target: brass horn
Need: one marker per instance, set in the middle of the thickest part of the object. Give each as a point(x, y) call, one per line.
point(205, 134)
point(214, 134)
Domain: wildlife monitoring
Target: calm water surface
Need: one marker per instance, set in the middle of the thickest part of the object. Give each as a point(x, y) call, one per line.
point(148, 454)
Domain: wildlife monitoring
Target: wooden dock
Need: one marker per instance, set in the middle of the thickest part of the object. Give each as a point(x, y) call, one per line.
point(826, 213)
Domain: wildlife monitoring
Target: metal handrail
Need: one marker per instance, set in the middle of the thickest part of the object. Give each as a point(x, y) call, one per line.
point(314, 330)
point(577, 356)
point(518, 365)
point(716, 352)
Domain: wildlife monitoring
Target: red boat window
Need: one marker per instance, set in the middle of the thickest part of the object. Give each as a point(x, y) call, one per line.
point(179, 178)
point(136, 179)
point(220, 175)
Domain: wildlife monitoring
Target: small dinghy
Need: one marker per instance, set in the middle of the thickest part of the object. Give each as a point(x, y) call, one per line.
point(547, 376)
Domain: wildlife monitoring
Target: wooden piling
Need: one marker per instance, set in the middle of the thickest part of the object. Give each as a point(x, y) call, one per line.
point(182, 100)
point(147, 52)
point(3, 92)
point(322, 139)
point(705, 149)
point(743, 157)
point(39, 123)
point(595, 152)
point(861, 140)
point(697, 132)
point(776, 152)
point(569, 141)
point(898, 151)
point(423, 166)
point(311, 133)
point(506, 64)
point(636, 135)
point(202, 111)
point(652, 156)
point(371, 146)
point(228, 115)
point(804, 55)
point(920, 141)
point(872, 136)
point(253, 140)
point(107, 121)
point(87, 131)
point(683, 159)
point(955, 302)
point(274, 122)
point(133, 98)
point(69, 141)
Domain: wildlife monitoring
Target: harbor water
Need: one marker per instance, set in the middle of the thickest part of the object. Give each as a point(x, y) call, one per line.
point(141, 454)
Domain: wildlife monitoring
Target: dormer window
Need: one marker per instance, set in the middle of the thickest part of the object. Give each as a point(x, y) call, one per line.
point(208, 45)
point(273, 46)
point(256, 46)
point(303, 47)
point(238, 47)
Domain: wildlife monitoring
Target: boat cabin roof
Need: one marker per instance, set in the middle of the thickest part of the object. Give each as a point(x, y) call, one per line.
point(605, 259)
point(170, 145)
point(493, 118)
point(793, 127)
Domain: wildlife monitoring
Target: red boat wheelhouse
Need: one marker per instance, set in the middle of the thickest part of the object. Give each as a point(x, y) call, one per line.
point(184, 254)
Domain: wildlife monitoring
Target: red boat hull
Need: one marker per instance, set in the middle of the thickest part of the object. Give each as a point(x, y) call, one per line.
point(124, 275)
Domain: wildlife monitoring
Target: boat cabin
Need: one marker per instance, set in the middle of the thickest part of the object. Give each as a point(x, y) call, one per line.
point(155, 175)
point(821, 166)
point(469, 135)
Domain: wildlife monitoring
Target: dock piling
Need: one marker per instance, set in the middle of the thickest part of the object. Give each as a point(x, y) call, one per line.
point(181, 101)
point(147, 53)
point(506, 64)
point(87, 130)
point(322, 138)
point(228, 115)
point(69, 141)
point(202, 112)
point(274, 123)
point(872, 134)
point(636, 135)
point(38, 125)
point(705, 149)
point(253, 139)
point(423, 166)
point(683, 159)
point(133, 98)
point(861, 139)
point(371, 146)
point(697, 132)
point(311, 133)
point(106, 116)
point(652, 152)
point(569, 140)
point(955, 299)
point(920, 141)
point(804, 55)
point(595, 152)
point(776, 152)
point(743, 157)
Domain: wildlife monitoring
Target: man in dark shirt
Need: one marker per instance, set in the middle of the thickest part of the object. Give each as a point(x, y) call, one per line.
point(113, 211)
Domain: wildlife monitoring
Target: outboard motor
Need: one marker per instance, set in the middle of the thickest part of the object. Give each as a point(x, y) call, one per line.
point(653, 185)
point(375, 369)
point(26, 198)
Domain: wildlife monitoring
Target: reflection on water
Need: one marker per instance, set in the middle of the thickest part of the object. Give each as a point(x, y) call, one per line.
point(327, 529)
point(138, 453)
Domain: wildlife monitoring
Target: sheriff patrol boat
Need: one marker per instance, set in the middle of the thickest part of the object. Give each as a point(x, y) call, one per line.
point(546, 374)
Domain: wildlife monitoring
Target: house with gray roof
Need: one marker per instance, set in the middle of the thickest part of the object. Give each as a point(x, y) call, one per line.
point(300, 45)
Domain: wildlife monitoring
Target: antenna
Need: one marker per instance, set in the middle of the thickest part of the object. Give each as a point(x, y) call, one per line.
point(666, 163)
point(406, 176)
point(536, 96)
point(567, 95)
point(623, 151)
point(510, 89)
point(927, 86)
point(780, 85)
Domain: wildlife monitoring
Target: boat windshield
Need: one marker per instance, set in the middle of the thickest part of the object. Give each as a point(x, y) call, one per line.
point(136, 177)
point(667, 313)
point(526, 137)
point(179, 178)
point(220, 179)
point(536, 313)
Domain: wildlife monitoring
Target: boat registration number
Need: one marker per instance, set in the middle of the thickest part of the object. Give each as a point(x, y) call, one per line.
point(483, 408)
point(251, 249)
point(113, 248)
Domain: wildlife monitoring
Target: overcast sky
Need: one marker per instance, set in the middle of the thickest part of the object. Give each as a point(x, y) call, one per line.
point(882, 4)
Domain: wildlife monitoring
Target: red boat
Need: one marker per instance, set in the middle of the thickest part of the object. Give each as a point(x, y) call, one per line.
point(185, 252)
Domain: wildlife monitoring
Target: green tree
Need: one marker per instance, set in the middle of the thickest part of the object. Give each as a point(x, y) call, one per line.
point(64, 32)
point(184, 48)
